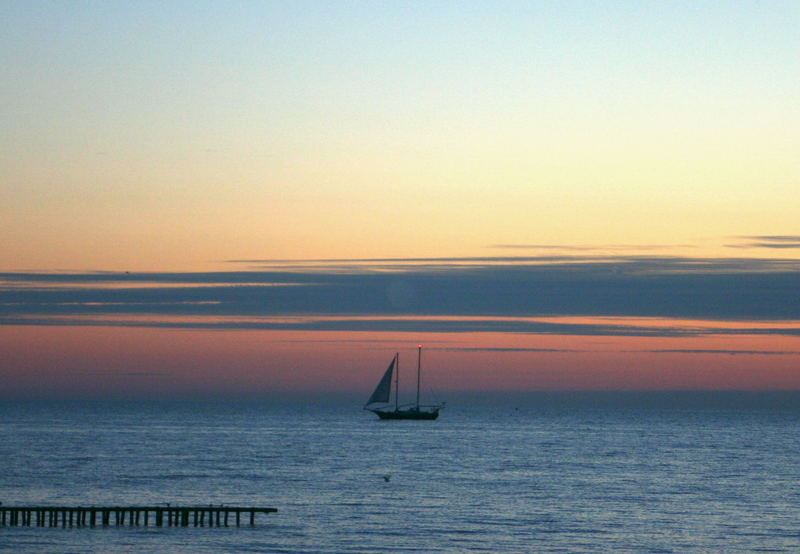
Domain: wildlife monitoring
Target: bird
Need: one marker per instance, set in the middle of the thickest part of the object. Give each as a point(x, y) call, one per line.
point(387, 477)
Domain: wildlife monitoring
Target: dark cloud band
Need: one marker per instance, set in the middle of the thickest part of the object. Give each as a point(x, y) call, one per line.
point(476, 294)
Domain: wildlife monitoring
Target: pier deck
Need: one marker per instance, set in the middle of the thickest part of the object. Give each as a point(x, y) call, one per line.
point(159, 516)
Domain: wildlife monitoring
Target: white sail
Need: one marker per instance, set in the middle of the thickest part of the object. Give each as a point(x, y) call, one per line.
point(384, 388)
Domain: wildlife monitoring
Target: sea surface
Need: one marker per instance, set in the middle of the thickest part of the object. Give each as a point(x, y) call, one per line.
point(528, 473)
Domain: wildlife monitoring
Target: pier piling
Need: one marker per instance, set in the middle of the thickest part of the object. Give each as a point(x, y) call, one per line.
point(133, 516)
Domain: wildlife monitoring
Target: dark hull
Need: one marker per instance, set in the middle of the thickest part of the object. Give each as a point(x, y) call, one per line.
point(408, 414)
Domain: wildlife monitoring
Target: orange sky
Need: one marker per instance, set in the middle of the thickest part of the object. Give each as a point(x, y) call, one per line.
point(103, 361)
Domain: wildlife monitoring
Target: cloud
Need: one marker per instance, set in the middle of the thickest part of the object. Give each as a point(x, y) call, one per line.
point(543, 247)
point(126, 373)
point(726, 352)
point(441, 294)
point(499, 349)
point(775, 238)
point(591, 248)
point(768, 241)
point(410, 325)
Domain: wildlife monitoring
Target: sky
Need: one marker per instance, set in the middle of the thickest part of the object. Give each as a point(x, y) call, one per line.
point(221, 198)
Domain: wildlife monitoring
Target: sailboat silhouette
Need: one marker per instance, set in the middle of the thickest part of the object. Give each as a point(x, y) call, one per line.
point(379, 403)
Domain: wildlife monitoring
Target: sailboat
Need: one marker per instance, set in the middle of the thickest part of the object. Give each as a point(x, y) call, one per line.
point(379, 403)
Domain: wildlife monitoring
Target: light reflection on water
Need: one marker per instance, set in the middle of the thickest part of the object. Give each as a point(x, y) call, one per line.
point(481, 478)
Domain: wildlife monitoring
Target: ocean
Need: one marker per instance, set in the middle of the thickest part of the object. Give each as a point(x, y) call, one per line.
point(508, 473)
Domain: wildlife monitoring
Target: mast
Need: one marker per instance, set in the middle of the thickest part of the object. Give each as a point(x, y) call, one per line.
point(396, 379)
point(419, 366)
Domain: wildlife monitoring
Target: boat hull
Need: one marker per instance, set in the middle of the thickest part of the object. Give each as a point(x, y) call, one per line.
point(408, 414)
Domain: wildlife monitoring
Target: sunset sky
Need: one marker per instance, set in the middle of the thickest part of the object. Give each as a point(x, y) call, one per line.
point(202, 198)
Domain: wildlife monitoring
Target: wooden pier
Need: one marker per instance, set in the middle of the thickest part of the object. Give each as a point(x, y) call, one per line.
point(159, 516)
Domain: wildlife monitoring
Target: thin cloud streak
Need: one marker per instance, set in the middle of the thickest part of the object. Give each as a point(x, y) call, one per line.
point(768, 241)
point(420, 325)
point(725, 352)
point(476, 293)
point(590, 248)
point(499, 349)
point(774, 245)
point(125, 373)
point(774, 238)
